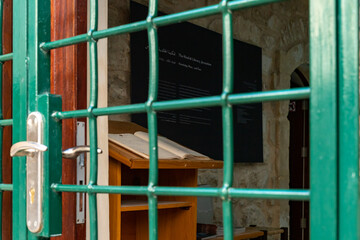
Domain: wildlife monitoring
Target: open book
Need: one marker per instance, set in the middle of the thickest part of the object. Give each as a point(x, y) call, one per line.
point(138, 143)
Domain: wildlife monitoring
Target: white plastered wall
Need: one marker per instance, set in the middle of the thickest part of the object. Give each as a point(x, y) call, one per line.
point(102, 123)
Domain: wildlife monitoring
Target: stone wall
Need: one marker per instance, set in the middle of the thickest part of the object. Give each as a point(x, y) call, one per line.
point(281, 30)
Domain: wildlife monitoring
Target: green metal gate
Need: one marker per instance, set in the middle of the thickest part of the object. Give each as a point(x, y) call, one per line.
point(334, 191)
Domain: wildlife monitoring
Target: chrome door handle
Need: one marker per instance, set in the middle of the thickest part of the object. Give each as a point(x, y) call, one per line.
point(74, 152)
point(34, 150)
point(27, 148)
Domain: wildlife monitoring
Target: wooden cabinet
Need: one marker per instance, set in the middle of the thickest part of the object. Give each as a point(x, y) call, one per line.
point(128, 213)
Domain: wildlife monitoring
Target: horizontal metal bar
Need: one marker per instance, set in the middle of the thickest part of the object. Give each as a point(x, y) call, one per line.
point(291, 194)
point(6, 57)
point(64, 42)
point(6, 122)
point(266, 96)
point(133, 108)
point(6, 187)
point(71, 114)
point(131, 190)
point(235, 193)
point(211, 101)
point(237, 98)
point(187, 15)
point(207, 11)
point(127, 28)
point(157, 21)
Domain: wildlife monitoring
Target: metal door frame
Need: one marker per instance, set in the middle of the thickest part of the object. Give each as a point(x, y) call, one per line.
point(334, 108)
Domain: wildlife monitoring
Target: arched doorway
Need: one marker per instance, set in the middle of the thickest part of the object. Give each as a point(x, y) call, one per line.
point(299, 155)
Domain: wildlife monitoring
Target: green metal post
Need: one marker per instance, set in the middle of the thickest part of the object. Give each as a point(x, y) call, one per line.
point(152, 119)
point(227, 118)
point(1, 113)
point(323, 120)
point(39, 83)
point(20, 88)
point(334, 111)
point(92, 118)
point(52, 201)
point(348, 64)
point(31, 79)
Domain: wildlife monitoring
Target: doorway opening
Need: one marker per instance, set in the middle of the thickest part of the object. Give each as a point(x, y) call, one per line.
point(299, 155)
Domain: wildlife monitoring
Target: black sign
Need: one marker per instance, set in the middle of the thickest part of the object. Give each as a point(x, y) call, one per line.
point(190, 66)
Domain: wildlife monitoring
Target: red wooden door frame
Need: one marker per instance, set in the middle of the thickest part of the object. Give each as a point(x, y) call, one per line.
point(7, 111)
point(68, 75)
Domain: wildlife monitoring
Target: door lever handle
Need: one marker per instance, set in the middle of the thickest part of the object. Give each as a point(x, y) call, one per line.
point(26, 148)
point(74, 152)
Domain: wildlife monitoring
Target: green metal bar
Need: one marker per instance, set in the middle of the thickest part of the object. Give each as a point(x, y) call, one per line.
point(65, 42)
point(20, 88)
point(152, 119)
point(275, 95)
point(38, 74)
point(92, 118)
point(6, 187)
point(227, 118)
point(127, 28)
point(270, 194)
point(6, 122)
point(52, 164)
point(323, 121)
point(157, 21)
point(212, 101)
point(348, 63)
point(6, 57)
point(38, 61)
point(1, 112)
point(293, 194)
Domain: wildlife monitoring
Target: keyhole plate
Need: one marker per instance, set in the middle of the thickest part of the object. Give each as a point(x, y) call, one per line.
point(34, 174)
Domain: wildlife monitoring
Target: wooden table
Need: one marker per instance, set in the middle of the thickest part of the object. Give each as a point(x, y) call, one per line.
point(248, 234)
point(283, 232)
point(257, 232)
point(129, 213)
point(270, 231)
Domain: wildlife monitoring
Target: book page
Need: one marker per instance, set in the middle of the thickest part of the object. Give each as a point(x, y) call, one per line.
point(173, 147)
point(138, 146)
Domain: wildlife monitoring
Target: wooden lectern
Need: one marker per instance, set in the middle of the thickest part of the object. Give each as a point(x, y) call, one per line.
point(128, 213)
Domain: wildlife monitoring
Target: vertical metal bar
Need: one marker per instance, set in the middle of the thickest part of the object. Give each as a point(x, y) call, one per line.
point(38, 60)
point(152, 119)
point(348, 63)
point(227, 118)
point(52, 164)
point(20, 83)
point(323, 121)
point(92, 118)
point(1, 112)
point(38, 64)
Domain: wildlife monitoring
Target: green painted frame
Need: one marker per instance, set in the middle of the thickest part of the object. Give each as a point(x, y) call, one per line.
point(334, 112)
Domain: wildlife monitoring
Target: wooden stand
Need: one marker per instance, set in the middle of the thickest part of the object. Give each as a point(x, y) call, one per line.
point(129, 215)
